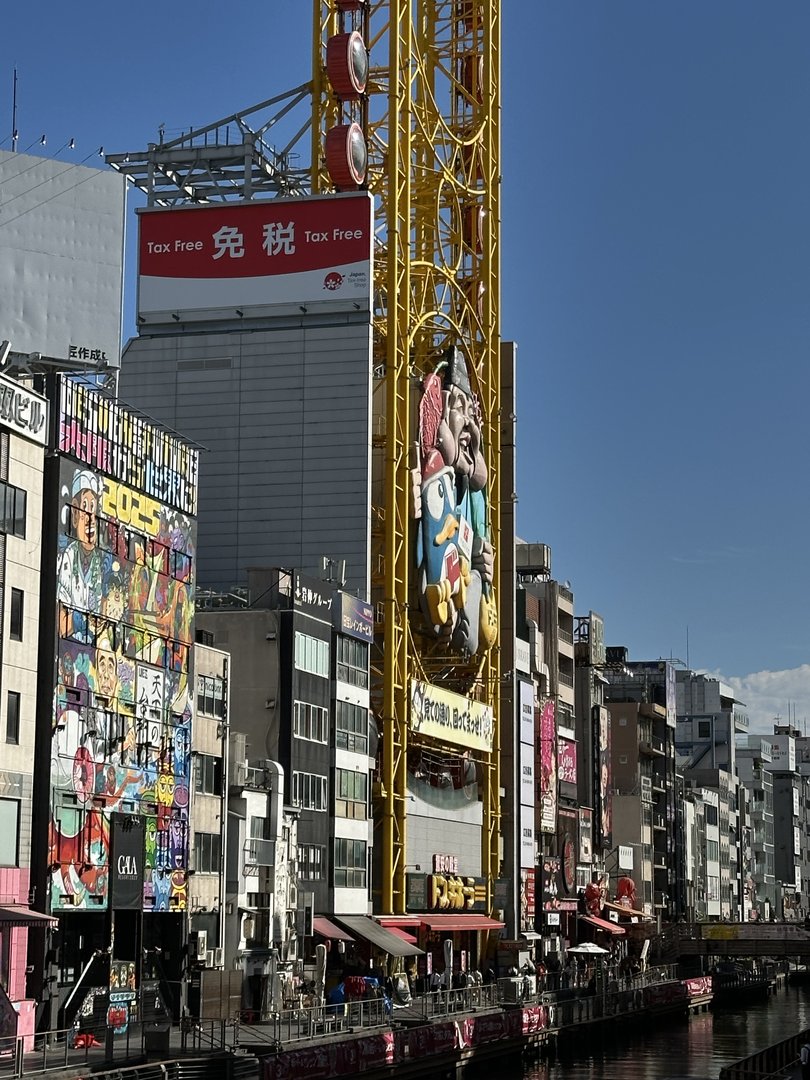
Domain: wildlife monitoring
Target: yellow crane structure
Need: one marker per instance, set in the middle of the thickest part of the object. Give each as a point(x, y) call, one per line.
point(429, 114)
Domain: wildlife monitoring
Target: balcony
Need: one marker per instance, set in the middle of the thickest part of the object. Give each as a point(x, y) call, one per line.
point(651, 745)
point(659, 822)
point(566, 679)
point(259, 852)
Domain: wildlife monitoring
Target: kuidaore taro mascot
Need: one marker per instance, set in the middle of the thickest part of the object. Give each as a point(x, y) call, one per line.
point(454, 554)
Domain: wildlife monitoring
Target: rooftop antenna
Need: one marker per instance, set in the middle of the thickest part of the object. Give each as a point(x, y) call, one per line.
point(14, 114)
point(687, 648)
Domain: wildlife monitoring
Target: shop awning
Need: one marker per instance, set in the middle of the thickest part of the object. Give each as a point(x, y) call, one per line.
point(628, 912)
point(18, 915)
point(402, 934)
point(328, 929)
point(460, 922)
point(603, 924)
point(385, 940)
point(399, 920)
point(530, 935)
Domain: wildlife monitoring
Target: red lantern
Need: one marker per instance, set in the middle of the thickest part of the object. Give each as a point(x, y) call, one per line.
point(346, 155)
point(347, 64)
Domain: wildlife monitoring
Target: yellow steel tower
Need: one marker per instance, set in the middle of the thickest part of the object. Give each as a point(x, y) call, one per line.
point(429, 112)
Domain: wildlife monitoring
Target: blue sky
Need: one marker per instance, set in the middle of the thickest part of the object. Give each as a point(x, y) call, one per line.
point(656, 276)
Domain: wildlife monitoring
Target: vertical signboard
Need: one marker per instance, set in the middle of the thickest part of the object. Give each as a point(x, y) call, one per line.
point(127, 835)
point(585, 835)
point(603, 779)
point(547, 724)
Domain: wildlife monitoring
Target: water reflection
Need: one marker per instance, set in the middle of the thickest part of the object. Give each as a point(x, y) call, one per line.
point(697, 1048)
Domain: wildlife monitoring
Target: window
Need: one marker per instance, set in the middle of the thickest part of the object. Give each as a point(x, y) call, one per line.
point(312, 655)
point(15, 629)
point(206, 853)
point(310, 722)
point(350, 864)
point(352, 661)
point(351, 727)
point(259, 828)
point(309, 791)
point(711, 815)
point(208, 774)
point(9, 831)
point(311, 860)
point(712, 851)
point(12, 506)
point(704, 729)
point(12, 717)
point(351, 793)
point(210, 695)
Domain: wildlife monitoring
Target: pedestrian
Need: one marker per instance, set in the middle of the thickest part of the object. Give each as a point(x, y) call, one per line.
point(804, 1058)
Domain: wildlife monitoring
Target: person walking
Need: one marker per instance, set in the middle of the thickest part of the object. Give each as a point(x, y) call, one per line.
point(804, 1059)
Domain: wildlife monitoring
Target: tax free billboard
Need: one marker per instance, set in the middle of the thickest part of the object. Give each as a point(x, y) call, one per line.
point(242, 260)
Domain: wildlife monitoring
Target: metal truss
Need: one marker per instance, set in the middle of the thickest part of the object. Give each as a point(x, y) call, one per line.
point(431, 120)
point(229, 160)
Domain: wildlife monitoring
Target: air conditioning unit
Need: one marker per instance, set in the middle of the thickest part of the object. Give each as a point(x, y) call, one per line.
point(219, 957)
point(209, 958)
point(202, 944)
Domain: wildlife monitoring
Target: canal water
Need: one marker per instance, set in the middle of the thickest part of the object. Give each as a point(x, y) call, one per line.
point(696, 1048)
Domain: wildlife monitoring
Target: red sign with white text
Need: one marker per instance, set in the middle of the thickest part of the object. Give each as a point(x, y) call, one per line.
point(254, 254)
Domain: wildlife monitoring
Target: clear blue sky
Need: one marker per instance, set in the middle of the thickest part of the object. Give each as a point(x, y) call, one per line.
point(656, 276)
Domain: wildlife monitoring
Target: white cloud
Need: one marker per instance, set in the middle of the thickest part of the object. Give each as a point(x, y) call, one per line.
point(771, 694)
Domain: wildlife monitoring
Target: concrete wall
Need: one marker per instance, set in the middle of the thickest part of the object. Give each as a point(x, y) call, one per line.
point(285, 416)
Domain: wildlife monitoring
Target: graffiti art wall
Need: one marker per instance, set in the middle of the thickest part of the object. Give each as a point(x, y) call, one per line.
point(123, 690)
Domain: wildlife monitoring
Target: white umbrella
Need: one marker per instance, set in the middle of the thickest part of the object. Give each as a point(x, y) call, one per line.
point(587, 948)
point(320, 974)
point(448, 963)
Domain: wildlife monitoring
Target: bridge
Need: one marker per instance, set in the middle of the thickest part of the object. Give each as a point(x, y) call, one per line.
point(788, 940)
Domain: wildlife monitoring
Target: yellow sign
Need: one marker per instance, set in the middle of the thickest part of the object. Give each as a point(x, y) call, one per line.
point(441, 714)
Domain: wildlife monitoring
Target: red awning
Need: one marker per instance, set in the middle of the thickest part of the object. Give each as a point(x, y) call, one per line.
point(328, 929)
point(402, 934)
point(628, 912)
point(17, 915)
point(399, 920)
point(603, 924)
point(460, 922)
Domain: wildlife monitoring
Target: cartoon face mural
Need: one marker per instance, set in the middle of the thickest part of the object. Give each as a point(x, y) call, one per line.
point(454, 554)
point(122, 710)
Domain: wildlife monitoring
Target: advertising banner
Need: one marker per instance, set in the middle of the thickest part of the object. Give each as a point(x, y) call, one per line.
point(603, 777)
point(567, 847)
point(312, 597)
point(548, 767)
point(126, 868)
point(441, 714)
point(585, 835)
point(236, 259)
point(567, 761)
point(527, 845)
point(527, 900)
point(527, 796)
point(527, 713)
point(355, 618)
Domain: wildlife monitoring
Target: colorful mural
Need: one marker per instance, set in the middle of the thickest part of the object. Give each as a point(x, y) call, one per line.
point(122, 706)
point(454, 555)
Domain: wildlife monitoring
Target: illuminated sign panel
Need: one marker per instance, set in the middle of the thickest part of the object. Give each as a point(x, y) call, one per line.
point(451, 717)
point(238, 259)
